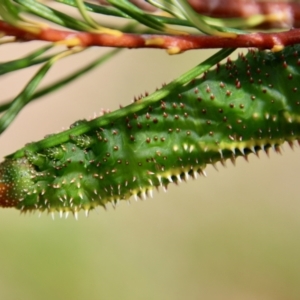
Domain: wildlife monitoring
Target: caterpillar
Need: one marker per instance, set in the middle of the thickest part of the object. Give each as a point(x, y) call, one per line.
point(237, 108)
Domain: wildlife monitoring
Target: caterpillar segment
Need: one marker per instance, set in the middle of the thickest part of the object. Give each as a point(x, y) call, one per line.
point(239, 107)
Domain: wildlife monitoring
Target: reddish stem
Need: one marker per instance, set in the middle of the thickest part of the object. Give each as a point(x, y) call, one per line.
point(173, 43)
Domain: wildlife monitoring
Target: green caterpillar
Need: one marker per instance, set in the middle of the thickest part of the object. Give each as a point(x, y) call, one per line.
point(238, 108)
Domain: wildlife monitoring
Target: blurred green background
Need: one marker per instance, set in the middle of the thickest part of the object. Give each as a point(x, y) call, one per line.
point(232, 235)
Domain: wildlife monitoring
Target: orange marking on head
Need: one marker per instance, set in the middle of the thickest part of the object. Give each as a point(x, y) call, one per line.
point(6, 199)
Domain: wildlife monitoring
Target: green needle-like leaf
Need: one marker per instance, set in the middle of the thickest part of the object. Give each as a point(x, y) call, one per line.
point(27, 61)
point(85, 15)
point(26, 94)
point(112, 11)
point(63, 82)
point(137, 14)
point(198, 20)
point(104, 10)
point(53, 15)
point(168, 6)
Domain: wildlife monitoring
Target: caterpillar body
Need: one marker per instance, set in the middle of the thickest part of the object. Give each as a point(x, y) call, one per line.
point(235, 109)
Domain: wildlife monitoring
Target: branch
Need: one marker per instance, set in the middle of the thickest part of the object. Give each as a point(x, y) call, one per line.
point(174, 44)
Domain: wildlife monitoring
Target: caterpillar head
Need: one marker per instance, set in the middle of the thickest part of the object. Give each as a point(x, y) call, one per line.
point(15, 180)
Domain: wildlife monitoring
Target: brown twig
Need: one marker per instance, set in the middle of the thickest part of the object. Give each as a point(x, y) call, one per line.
point(174, 44)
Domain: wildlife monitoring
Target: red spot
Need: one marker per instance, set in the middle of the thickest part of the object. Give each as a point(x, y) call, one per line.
point(6, 200)
point(238, 84)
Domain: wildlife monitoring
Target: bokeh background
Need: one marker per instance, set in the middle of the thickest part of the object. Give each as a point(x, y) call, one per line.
point(232, 235)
